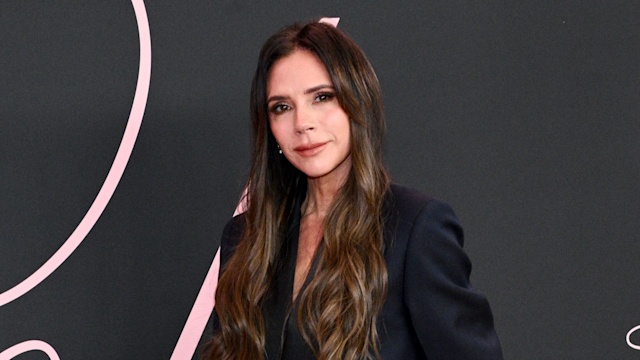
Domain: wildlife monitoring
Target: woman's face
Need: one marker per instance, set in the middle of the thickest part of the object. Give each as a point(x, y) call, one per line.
point(306, 119)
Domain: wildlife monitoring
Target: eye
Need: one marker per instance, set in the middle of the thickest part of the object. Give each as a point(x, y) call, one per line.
point(279, 108)
point(324, 96)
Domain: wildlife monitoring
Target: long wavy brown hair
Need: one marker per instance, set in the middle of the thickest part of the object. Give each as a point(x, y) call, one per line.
point(338, 309)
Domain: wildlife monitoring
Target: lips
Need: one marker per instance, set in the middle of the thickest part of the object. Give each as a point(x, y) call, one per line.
point(310, 149)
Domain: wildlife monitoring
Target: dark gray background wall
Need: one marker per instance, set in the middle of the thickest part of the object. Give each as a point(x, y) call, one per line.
point(523, 115)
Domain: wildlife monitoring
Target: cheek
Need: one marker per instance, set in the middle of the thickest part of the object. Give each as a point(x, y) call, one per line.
point(343, 127)
point(280, 133)
point(347, 135)
point(275, 130)
point(348, 143)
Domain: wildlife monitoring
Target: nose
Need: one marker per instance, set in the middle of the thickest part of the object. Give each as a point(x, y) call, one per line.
point(303, 121)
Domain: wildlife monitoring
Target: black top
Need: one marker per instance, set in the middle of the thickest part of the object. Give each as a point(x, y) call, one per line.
point(431, 311)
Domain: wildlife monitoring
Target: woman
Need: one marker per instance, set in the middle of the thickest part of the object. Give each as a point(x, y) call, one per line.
point(330, 260)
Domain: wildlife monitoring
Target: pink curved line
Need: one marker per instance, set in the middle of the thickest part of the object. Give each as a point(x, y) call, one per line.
point(632, 345)
point(29, 345)
point(115, 173)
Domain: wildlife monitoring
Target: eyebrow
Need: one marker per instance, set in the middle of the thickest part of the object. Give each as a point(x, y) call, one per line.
point(316, 88)
point(306, 92)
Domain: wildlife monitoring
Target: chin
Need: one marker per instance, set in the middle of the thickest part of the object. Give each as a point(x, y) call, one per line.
point(314, 174)
point(324, 168)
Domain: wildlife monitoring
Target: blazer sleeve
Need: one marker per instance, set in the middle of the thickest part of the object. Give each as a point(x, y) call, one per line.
point(452, 319)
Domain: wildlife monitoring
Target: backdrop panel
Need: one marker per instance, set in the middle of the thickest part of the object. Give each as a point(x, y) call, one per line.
point(523, 115)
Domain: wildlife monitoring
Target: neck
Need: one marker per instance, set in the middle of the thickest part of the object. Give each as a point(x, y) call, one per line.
point(320, 195)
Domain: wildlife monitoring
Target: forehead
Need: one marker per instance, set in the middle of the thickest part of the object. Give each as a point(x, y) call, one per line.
point(297, 72)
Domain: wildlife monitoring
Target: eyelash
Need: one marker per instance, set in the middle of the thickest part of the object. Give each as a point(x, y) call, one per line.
point(324, 96)
point(279, 108)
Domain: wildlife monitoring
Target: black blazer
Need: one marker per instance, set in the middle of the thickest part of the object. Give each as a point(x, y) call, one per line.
point(431, 312)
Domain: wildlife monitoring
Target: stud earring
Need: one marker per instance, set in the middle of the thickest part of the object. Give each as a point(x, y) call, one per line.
point(279, 150)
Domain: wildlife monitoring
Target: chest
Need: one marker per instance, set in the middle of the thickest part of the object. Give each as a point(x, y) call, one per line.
point(309, 239)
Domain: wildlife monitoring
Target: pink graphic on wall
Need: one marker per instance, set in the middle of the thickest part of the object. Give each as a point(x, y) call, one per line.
point(631, 344)
point(30, 345)
point(333, 21)
point(203, 306)
point(199, 316)
point(115, 173)
point(104, 195)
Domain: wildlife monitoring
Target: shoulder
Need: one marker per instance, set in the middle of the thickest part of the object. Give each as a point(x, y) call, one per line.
point(409, 205)
point(410, 214)
point(408, 197)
